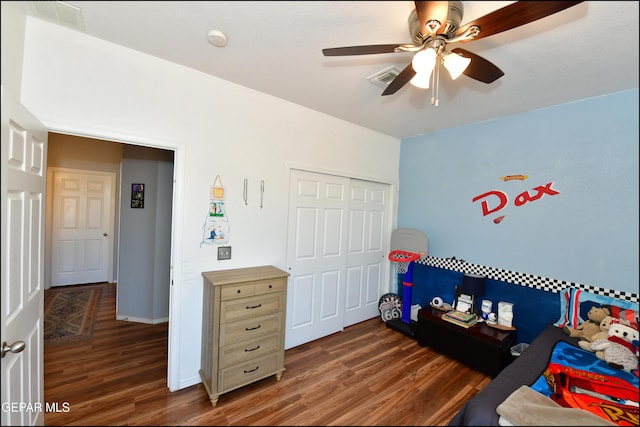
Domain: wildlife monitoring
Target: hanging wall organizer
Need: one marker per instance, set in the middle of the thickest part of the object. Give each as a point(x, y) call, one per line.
point(216, 226)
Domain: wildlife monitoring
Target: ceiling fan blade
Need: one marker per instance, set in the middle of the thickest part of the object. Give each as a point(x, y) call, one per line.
point(432, 10)
point(360, 50)
point(401, 79)
point(479, 69)
point(512, 16)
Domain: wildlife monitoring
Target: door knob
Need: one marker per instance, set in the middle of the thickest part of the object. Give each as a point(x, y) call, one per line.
point(105, 234)
point(16, 347)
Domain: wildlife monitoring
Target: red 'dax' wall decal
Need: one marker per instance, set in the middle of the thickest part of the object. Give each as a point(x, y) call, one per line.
point(500, 199)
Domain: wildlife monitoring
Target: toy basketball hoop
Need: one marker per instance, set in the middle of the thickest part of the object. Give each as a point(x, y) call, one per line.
point(402, 259)
point(404, 264)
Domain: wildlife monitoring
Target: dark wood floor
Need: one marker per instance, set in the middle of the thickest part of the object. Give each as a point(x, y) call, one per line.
point(366, 375)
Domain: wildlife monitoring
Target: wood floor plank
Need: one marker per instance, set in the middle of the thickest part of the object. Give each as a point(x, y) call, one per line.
point(366, 375)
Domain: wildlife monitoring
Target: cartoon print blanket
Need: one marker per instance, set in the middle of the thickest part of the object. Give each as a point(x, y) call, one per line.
point(576, 378)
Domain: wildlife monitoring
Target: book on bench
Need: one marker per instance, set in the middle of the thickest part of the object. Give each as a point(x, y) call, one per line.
point(460, 318)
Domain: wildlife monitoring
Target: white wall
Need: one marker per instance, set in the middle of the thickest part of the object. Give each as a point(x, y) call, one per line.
point(13, 22)
point(78, 84)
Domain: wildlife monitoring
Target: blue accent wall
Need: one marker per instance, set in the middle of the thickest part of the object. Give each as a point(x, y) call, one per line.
point(574, 217)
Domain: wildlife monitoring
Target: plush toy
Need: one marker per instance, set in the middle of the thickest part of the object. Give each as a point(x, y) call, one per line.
point(618, 350)
point(589, 327)
point(603, 334)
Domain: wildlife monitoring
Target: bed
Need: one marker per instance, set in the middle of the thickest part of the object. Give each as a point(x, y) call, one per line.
point(527, 370)
point(536, 373)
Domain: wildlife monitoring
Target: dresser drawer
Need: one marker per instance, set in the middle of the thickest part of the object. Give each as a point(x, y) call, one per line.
point(237, 291)
point(253, 370)
point(274, 285)
point(238, 353)
point(252, 288)
point(243, 308)
point(250, 328)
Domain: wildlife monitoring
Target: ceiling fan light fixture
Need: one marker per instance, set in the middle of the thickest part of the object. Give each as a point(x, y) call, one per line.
point(424, 61)
point(433, 25)
point(421, 80)
point(455, 64)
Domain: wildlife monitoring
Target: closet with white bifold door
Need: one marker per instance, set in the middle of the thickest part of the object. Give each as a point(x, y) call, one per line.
point(337, 245)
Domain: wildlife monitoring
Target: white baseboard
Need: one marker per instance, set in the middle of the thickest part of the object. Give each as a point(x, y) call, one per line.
point(141, 320)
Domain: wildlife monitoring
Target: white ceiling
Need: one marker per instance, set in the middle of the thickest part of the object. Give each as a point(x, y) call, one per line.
point(275, 47)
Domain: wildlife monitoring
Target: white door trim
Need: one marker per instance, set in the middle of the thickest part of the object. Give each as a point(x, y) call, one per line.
point(173, 368)
point(344, 174)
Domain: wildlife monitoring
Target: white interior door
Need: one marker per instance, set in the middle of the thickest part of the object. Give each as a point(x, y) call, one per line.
point(367, 251)
point(336, 243)
point(317, 236)
point(82, 227)
point(23, 164)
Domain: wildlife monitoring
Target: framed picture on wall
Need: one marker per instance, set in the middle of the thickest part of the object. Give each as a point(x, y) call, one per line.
point(137, 196)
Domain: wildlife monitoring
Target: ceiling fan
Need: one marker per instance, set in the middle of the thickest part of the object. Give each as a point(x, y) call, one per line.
point(436, 24)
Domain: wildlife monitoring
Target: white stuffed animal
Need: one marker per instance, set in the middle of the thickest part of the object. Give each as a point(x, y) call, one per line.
point(618, 350)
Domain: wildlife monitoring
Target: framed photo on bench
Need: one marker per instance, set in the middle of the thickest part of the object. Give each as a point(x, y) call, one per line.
point(464, 302)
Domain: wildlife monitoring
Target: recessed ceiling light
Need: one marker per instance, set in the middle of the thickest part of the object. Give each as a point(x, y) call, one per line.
point(217, 38)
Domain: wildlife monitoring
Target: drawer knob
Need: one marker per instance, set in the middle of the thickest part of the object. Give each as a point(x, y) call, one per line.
point(252, 349)
point(270, 286)
point(238, 291)
point(249, 307)
point(252, 329)
point(252, 370)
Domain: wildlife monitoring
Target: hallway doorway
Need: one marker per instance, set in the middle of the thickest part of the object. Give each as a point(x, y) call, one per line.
point(102, 156)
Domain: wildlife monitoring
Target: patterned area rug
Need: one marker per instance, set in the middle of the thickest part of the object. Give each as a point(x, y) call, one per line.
point(70, 313)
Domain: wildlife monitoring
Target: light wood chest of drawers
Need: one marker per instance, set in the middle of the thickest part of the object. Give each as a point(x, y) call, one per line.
point(242, 327)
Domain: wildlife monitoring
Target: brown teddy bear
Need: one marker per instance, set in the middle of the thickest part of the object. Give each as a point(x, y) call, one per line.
point(603, 334)
point(589, 327)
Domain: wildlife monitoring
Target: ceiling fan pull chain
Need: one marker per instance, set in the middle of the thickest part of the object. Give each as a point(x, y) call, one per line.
point(437, 82)
point(433, 84)
point(436, 85)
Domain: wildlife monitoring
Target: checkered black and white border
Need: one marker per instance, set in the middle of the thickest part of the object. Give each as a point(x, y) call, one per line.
point(522, 279)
